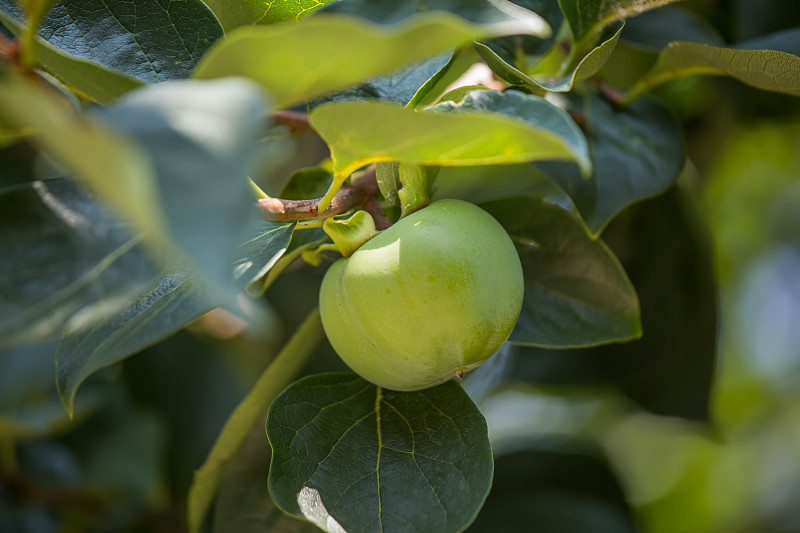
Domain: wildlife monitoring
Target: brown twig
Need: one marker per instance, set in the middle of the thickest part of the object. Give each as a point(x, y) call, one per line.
point(611, 93)
point(9, 49)
point(360, 194)
point(297, 122)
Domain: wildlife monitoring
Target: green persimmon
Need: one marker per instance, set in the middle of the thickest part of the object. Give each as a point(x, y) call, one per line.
point(431, 297)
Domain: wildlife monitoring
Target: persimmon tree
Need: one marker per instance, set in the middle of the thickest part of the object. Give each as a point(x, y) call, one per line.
point(144, 185)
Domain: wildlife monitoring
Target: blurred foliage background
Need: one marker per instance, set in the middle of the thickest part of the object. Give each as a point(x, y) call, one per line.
point(611, 439)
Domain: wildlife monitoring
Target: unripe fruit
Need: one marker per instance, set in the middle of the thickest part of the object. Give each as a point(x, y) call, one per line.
point(435, 294)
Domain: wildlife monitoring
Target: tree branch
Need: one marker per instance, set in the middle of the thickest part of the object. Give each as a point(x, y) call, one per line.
point(361, 194)
point(297, 122)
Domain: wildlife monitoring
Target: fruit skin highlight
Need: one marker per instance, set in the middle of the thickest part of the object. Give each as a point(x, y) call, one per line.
point(436, 293)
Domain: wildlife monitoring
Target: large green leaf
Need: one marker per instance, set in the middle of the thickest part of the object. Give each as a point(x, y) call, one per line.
point(202, 139)
point(165, 307)
point(637, 152)
point(588, 65)
point(534, 110)
point(351, 455)
point(670, 370)
point(332, 51)
point(234, 13)
point(63, 252)
point(587, 18)
point(92, 79)
point(364, 132)
point(576, 292)
point(110, 164)
point(148, 40)
point(252, 410)
point(559, 488)
point(769, 70)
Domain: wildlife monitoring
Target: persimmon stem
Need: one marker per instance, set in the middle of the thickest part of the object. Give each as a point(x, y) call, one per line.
point(361, 193)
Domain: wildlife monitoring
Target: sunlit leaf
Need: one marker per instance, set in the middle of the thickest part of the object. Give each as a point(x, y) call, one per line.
point(363, 132)
point(235, 13)
point(769, 70)
point(352, 455)
point(286, 58)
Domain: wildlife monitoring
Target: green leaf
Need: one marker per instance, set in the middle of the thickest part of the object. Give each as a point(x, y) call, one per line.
point(148, 40)
point(348, 232)
point(29, 403)
point(235, 13)
point(587, 67)
point(285, 58)
point(449, 135)
point(534, 110)
point(769, 70)
point(349, 454)
point(176, 299)
point(113, 166)
point(654, 30)
point(637, 152)
point(503, 16)
point(670, 370)
point(202, 139)
point(576, 292)
point(251, 410)
point(588, 18)
point(243, 503)
point(559, 487)
point(91, 79)
point(524, 51)
point(402, 86)
point(63, 252)
point(388, 178)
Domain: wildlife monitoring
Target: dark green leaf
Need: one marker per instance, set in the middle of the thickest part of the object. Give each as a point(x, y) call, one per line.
point(783, 41)
point(654, 30)
point(202, 138)
point(243, 503)
point(400, 86)
point(63, 252)
point(96, 81)
point(670, 370)
point(307, 183)
point(588, 65)
point(369, 459)
point(637, 152)
point(576, 292)
point(285, 58)
point(511, 17)
point(29, 403)
point(558, 488)
point(175, 300)
point(587, 18)
point(148, 40)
